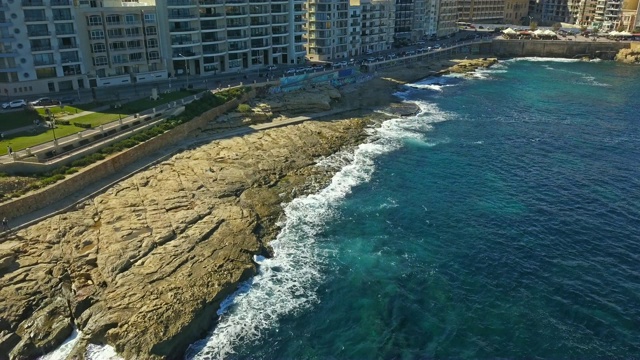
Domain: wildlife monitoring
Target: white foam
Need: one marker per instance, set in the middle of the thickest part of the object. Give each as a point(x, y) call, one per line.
point(101, 352)
point(287, 283)
point(63, 350)
point(542, 59)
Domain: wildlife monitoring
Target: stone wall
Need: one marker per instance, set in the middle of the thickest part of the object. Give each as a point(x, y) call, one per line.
point(557, 48)
point(96, 172)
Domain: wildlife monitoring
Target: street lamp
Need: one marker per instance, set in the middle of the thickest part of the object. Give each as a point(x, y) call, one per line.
point(186, 67)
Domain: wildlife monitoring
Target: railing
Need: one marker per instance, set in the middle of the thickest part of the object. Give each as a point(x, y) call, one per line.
point(60, 3)
point(182, 30)
point(28, 3)
point(181, 2)
point(35, 18)
point(63, 18)
point(71, 46)
point(38, 33)
point(43, 62)
point(42, 48)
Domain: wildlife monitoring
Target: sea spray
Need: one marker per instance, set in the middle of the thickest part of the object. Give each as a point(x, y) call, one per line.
point(286, 284)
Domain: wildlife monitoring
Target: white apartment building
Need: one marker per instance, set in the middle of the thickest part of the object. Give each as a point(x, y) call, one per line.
point(608, 14)
point(447, 18)
point(582, 12)
point(121, 43)
point(212, 36)
point(39, 47)
point(377, 25)
point(328, 31)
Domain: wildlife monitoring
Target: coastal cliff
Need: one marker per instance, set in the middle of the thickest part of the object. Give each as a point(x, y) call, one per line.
point(145, 266)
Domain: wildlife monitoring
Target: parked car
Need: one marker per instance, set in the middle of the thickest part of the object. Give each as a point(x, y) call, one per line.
point(271, 67)
point(318, 67)
point(291, 71)
point(45, 101)
point(69, 100)
point(14, 104)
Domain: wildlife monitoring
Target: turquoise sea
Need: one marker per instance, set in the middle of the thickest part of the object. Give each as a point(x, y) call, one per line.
point(501, 222)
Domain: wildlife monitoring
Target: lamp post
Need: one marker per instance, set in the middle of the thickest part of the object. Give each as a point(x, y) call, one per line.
point(186, 67)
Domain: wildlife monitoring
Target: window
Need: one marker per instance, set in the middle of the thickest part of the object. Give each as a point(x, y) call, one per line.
point(130, 19)
point(94, 20)
point(150, 18)
point(118, 45)
point(64, 29)
point(151, 30)
point(114, 33)
point(154, 55)
point(134, 44)
point(152, 43)
point(100, 61)
point(119, 59)
point(112, 19)
point(133, 32)
point(96, 34)
point(45, 73)
point(135, 57)
point(99, 48)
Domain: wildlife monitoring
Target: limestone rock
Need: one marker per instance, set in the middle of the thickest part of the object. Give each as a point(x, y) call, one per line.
point(145, 265)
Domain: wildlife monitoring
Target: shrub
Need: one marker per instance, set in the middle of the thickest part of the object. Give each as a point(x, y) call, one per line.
point(82, 125)
point(244, 108)
point(64, 122)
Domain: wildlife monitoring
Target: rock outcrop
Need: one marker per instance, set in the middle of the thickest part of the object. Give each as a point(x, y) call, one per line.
point(144, 266)
point(629, 56)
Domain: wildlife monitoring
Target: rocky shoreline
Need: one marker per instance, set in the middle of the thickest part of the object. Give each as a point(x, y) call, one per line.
point(145, 266)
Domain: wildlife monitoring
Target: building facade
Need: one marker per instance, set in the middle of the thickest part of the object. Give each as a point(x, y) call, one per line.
point(328, 32)
point(377, 18)
point(122, 43)
point(212, 36)
point(582, 12)
point(481, 11)
point(549, 12)
point(516, 11)
point(608, 14)
point(447, 18)
point(39, 48)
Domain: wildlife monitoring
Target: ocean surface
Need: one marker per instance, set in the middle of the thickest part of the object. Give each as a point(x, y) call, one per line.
point(503, 221)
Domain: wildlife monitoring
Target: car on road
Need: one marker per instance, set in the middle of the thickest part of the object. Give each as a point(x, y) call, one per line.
point(290, 71)
point(369, 52)
point(318, 67)
point(14, 104)
point(45, 101)
point(69, 100)
point(342, 63)
point(351, 62)
point(391, 56)
point(371, 59)
point(271, 67)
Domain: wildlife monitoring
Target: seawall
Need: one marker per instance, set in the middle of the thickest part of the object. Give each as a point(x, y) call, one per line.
point(95, 172)
point(558, 48)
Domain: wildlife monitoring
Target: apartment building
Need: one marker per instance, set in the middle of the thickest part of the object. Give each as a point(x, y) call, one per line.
point(447, 18)
point(122, 44)
point(39, 48)
point(481, 11)
point(377, 25)
point(328, 32)
point(608, 14)
point(212, 36)
point(629, 17)
point(516, 11)
point(548, 12)
point(582, 12)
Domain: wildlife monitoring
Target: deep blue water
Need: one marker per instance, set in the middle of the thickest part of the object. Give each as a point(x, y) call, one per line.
point(503, 221)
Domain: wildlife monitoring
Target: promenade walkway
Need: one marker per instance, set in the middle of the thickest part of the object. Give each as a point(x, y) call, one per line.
point(94, 189)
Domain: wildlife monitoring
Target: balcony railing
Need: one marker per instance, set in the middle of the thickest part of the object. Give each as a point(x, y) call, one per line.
point(62, 18)
point(181, 2)
point(60, 2)
point(43, 62)
point(35, 18)
point(39, 33)
point(29, 3)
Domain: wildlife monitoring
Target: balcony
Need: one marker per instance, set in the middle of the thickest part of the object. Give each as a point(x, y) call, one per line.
point(38, 33)
point(63, 18)
point(210, 15)
point(183, 30)
point(236, 25)
point(68, 46)
point(185, 43)
point(35, 19)
point(213, 40)
point(32, 3)
point(61, 3)
point(207, 3)
point(187, 54)
point(48, 62)
point(173, 17)
point(181, 3)
point(65, 32)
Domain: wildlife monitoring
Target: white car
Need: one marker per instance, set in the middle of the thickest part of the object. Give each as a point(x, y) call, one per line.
point(14, 104)
point(271, 67)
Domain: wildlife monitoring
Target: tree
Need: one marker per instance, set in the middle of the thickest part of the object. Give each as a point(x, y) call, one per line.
point(533, 25)
point(557, 26)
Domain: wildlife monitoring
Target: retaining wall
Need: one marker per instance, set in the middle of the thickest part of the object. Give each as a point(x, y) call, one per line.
point(557, 48)
point(101, 170)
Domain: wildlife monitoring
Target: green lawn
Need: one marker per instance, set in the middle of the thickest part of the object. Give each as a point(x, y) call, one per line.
point(43, 135)
point(13, 120)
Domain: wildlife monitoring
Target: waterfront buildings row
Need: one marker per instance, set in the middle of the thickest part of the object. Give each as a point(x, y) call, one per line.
point(63, 45)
